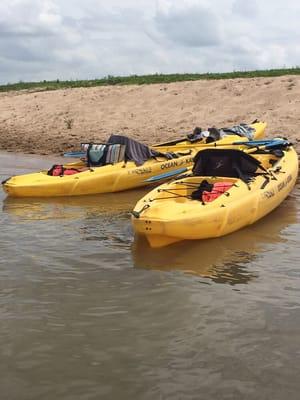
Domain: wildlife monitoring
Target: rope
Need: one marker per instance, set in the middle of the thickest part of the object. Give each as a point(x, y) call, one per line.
point(170, 192)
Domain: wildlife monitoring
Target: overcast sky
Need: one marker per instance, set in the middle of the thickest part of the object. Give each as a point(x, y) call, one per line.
point(86, 39)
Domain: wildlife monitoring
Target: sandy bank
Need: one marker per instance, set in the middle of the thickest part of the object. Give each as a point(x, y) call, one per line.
point(55, 121)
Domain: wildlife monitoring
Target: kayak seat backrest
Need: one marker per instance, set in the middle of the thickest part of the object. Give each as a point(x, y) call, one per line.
point(226, 163)
point(115, 153)
point(103, 154)
point(134, 150)
point(95, 155)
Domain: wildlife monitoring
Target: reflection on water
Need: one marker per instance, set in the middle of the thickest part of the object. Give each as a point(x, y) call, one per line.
point(88, 314)
point(222, 259)
point(71, 207)
point(106, 219)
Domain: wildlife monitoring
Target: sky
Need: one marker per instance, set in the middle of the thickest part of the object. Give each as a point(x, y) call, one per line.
point(88, 39)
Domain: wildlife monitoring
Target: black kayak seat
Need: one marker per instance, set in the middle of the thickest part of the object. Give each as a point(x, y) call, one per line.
point(226, 163)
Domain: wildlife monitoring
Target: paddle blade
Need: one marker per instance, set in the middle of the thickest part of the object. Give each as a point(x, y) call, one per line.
point(265, 142)
point(166, 175)
point(75, 154)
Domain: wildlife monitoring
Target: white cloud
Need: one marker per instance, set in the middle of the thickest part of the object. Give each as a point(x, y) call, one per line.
point(50, 39)
point(194, 26)
point(246, 9)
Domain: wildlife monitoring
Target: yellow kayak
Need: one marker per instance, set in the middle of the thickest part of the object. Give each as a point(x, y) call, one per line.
point(184, 144)
point(228, 190)
point(115, 177)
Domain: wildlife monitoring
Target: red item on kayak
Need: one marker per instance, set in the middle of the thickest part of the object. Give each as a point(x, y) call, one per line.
point(59, 170)
point(71, 171)
point(218, 189)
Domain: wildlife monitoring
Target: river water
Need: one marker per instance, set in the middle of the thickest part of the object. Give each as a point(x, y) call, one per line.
point(87, 312)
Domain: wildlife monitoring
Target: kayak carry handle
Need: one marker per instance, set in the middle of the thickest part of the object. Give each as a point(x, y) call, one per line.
point(5, 180)
point(137, 214)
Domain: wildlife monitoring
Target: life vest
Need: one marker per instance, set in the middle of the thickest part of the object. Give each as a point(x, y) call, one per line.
point(217, 189)
point(71, 171)
point(59, 170)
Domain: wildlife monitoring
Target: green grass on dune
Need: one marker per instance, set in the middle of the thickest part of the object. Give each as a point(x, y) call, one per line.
point(145, 79)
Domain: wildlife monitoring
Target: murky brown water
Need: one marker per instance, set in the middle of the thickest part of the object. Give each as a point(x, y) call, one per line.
point(85, 314)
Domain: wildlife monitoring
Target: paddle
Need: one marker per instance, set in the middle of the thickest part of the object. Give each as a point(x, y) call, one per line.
point(170, 143)
point(276, 144)
point(267, 142)
point(228, 144)
point(75, 154)
point(78, 154)
point(166, 175)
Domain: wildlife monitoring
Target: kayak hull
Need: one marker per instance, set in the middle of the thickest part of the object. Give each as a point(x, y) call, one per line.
point(106, 179)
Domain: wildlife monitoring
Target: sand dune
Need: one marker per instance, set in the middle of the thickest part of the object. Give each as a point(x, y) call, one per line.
point(48, 122)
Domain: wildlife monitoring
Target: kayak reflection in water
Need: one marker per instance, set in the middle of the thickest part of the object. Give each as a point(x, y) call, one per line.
point(224, 260)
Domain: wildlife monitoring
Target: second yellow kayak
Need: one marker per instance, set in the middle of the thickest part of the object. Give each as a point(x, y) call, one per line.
point(113, 177)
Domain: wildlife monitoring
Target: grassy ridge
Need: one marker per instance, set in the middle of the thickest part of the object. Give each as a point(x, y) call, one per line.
point(145, 79)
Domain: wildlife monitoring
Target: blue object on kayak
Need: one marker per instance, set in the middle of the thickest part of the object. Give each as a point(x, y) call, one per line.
point(166, 175)
point(262, 142)
point(277, 143)
point(75, 154)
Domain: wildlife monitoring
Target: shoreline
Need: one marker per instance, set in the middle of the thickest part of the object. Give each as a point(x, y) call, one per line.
point(53, 122)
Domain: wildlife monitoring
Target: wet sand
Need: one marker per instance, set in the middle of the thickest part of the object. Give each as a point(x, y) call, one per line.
point(51, 122)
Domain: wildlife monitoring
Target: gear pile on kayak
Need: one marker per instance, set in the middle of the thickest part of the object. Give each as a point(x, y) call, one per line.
point(252, 131)
point(226, 190)
point(123, 163)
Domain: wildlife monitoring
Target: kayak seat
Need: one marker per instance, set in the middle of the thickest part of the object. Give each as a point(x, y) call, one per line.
point(225, 163)
point(103, 154)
